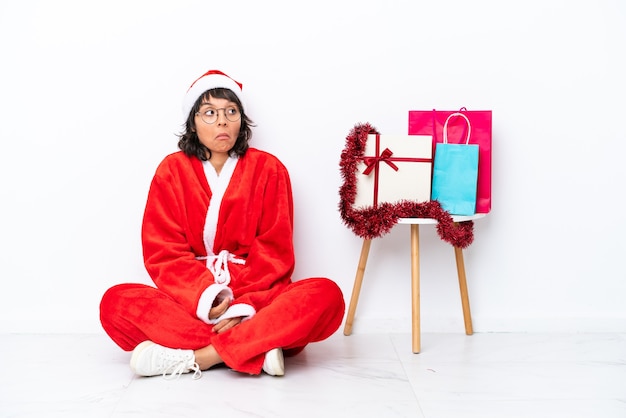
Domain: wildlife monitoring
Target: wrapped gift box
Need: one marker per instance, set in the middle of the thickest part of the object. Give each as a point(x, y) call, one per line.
point(394, 168)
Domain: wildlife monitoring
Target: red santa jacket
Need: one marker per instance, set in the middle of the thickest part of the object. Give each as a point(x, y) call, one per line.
point(254, 224)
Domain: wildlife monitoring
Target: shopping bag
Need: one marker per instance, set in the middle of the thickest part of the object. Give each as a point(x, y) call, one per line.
point(455, 172)
point(431, 122)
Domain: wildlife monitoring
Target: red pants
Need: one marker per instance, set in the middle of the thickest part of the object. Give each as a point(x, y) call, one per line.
point(306, 311)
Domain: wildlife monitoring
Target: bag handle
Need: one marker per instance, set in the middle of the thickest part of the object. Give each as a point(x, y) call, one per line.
point(445, 127)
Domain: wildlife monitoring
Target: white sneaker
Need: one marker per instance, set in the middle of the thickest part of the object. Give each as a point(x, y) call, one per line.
point(274, 363)
point(151, 359)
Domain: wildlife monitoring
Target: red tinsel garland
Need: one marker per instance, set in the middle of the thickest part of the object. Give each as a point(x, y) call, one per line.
point(372, 222)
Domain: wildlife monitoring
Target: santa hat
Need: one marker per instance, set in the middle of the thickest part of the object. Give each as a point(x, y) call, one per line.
point(210, 80)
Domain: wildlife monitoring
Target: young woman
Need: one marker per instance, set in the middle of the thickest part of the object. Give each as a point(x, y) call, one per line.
point(217, 240)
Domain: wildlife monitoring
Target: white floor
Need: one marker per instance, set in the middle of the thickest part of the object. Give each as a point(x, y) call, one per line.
point(484, 375)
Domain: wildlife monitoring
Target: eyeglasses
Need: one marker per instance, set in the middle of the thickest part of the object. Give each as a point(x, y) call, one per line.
point(209, 116)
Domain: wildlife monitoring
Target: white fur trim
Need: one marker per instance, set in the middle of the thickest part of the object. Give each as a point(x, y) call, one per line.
point(218, 185)
point(208, 82)
point(237, 310)
point(215, 292)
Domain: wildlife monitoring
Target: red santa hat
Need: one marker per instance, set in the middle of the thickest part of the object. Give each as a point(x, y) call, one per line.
point(210, 80)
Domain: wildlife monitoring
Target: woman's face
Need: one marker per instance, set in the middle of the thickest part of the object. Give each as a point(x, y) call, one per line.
point(220, 136)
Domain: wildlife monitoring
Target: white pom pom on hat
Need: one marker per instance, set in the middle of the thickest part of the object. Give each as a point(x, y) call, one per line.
point(210, 80)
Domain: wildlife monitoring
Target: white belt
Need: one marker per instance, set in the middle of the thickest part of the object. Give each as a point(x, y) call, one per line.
point(218, 265)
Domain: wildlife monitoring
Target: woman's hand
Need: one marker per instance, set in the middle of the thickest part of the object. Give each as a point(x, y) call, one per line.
point(219, 309)
point(226, 324)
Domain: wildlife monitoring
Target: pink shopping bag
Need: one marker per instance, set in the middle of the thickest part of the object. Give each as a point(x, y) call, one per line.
point(431, 122)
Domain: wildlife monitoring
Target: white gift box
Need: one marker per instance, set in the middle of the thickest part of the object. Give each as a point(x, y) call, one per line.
point(394, 168)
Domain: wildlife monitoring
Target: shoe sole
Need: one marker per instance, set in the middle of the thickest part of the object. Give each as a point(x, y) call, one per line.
point(136, 354)
point(275, 362)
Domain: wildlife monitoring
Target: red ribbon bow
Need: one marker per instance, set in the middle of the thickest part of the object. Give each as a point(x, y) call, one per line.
point(371, 162)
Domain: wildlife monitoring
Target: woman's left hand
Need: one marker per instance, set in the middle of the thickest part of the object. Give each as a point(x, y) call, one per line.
point(226, 324)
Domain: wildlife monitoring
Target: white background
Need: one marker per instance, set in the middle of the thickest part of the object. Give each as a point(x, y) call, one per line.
point(90, 102)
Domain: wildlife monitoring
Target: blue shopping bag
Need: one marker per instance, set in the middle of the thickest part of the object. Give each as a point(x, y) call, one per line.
point(455, 173)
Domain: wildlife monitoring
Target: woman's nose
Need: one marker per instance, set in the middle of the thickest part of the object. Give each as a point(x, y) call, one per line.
point(221, 117)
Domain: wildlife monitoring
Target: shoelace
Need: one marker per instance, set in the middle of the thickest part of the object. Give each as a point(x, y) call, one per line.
point(174, 370)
